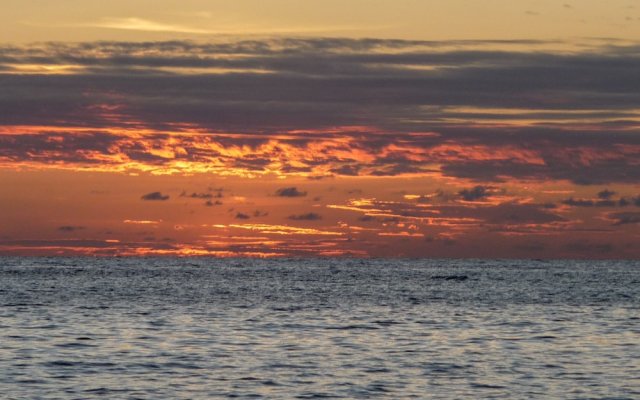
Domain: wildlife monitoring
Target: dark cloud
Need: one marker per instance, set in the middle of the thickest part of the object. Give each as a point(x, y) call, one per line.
point(578, 202)
point(260, 213)
point(70, 228)
point(324, 83)
point(515, 214)
point(348, 170)
point(242, 216)
point(295, 73)
point(290, 192)
point(625, 218)
point(604, 200)
point(442, 240)
point(621, 170)
point(155, 196)
point(493, 217)
point(606, 203)
point(476, 193)
point(306, 217)
point(210, 203)
point(197, 195)
point(335, 71)
point(606, 194)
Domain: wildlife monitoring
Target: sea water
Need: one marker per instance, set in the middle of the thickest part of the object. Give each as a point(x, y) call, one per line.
point(200, 328)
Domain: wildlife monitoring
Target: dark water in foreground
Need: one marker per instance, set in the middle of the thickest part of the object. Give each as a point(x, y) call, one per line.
point(204, 328)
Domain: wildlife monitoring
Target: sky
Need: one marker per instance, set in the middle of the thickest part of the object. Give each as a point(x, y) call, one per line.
point(377, 128)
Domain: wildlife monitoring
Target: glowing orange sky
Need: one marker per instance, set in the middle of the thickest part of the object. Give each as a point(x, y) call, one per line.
point(211, 129)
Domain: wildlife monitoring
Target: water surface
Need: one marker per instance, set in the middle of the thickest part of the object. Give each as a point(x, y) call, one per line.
point(82, 328)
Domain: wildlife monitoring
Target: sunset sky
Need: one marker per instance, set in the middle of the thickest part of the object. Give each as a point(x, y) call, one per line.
point(379, 128)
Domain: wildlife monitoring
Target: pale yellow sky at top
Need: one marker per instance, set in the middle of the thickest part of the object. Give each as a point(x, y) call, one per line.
point(85, 20)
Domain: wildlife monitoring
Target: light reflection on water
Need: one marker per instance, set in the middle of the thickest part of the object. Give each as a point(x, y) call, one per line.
point(202, 328)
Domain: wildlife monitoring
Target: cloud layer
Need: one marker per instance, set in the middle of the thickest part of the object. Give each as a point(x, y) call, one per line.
point(326, 107)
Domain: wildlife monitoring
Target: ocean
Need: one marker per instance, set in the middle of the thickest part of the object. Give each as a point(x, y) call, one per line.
point(202, 328)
